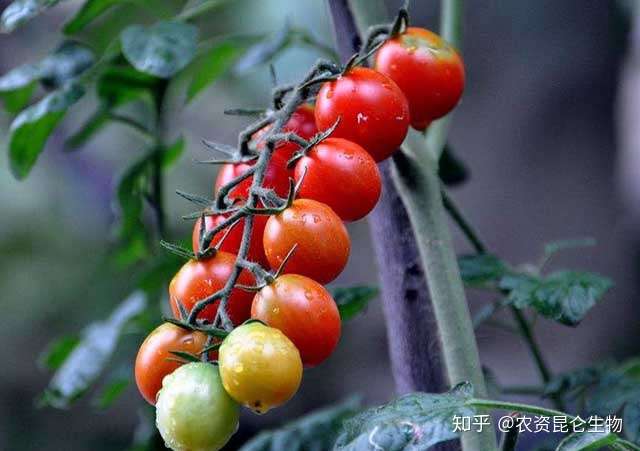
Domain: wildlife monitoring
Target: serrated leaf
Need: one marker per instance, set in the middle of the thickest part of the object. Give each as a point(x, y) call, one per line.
point(481, 269)
point(412, 422)
point(111, 392)
point(315, 431)
point(68, 61)
point(162, 49)
point(353, 300)
point(88, 359)
point(212, 65)
point(91, 10)
point(263, 51)
point(20, 11)
point(32, 127)
point(586, 441)
point(564, 296)
point(57, 352)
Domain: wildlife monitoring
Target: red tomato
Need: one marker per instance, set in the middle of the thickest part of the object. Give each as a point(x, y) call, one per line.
point(154, 362)
point(304, 311)
point(302, 122)
point(342, 175)
point(373, 111)
point(427, 69)
point(322, 239)
point(276, 177)
point(234, 238)
point(199, 279)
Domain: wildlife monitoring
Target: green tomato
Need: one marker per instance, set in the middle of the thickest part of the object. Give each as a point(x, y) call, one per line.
point(193, 411)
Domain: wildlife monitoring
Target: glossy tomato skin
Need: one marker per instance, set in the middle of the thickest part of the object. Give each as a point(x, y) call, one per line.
point(341, 174)
point(304, 311)
point(372, 109)
point(322, 240)
point(233, 240)
point(259, 366)
point(427, 69)
point(302, 122)
point(276, 177)
point(194, 412)
point(199, 279)
point(153, 360)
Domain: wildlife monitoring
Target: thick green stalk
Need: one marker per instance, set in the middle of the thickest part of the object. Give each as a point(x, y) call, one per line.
point(416, 175)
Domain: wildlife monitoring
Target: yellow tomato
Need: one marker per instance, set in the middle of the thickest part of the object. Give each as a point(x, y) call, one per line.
point(259, 366)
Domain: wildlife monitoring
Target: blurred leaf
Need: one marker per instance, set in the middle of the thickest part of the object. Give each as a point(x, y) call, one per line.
point(212, 65)
point(159, 273)
point(585, 441)
point(414, 421)
point(57, 352)
point(32, 127)
point(18, 99)
point(162, 49)
point(20, 11)
point(111, 392)
point(631, 421)
point(263, 51)
point(576, 380)
point(172, 153)
point(83, 366)
point(564, 296)
point(481, 269)
point(87, 130)
point(315, 431)
point(452, 170)
point(353, 300)
point(89, 11)
point(68, 61)
point(121, 84)
point(561, 245)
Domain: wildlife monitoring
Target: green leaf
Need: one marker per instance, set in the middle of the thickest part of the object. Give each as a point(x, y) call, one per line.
point(57, 352)
point(586, 441)
point(122, 84)
point(31, 128)
point(564, 296)
point(111, 392)
point(213, 64)
point(18, 99)
point(556, 246)
point(89, 12)
point(575, 381)
point(21, 11)
point(315, 431)
point(172, 153)
point(415, 421)
point(481, 269)
point(85, 363)
point(263, 51)
point(68, 61)
point(162, 49)
point(353, 300)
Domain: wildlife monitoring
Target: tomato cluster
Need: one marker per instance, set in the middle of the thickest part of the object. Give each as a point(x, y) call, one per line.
point(284, 318)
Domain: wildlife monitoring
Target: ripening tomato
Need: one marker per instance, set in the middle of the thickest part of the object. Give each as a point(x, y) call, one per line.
point(427, 69)
point(372, 109)
point(322, 240)
point(276, 177)
point(341, 174)
point(194, 412)
point(302, 122)
point(154, 359)
point(259, 366)
point(199, 279)
point(233, 240)
point(304, 311)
